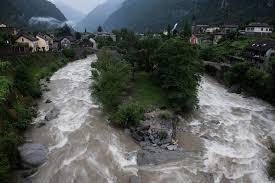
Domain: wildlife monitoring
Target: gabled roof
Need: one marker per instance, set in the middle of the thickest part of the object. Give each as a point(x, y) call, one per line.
point(262, 45)
point(258, 24)
point(43, 36)
point(29, 37)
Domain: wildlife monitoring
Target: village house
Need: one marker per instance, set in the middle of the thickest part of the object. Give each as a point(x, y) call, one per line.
point(229, 28)
point(3, 25)
point(6, 29)
point(258, 28)
point(212, 29)
point(31, 41)
point(63, 42)
point(106, 35)
point(260, 52)
point(43, 42)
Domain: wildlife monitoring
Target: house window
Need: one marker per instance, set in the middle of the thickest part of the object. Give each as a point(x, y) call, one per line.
point(22, 39)
point(262, 29)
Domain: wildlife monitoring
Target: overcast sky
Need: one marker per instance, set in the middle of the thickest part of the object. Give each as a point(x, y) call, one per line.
point(84, 6)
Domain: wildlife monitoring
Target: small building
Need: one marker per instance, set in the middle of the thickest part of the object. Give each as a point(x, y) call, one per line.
point(43, 42)
point(63, 42)
point(106, 35)
point(258, 28)
point(229, 28)
point(194, 40)
point(32, 42)
point(3, 25)
point(260, 52)
point(199, 29)
point(212, 29)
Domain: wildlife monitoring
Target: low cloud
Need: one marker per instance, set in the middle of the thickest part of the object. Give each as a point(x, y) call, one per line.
point(47, 21)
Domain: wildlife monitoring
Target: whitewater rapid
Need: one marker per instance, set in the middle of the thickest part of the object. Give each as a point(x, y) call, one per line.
point(82, 147)
point(225, 140)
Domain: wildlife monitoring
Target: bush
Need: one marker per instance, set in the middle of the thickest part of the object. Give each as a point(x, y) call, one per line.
point(24, 117)
point(166, 115)
point(128, 115)
point(26, 83)
point(110, 77)
point(271, 168)
point(5, 88)
point(177, 70)
point(69, 53)
point(4, 169)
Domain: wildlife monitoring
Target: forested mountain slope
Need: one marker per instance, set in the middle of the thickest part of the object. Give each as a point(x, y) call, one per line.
point(18, 12)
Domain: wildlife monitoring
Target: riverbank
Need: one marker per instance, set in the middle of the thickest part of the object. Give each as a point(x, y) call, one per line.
point(20, 87)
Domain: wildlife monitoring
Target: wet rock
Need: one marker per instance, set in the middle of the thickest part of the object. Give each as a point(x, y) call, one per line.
point(172, 147)
point(235, 89)
point(127, 131)
point(48, 101)
point(134, 179)
point(41, 124)
point(26, 180)
point(137, 137)
point(52, 114)
point(156, 156)
point(29, 172)
point(32, 155)
point(48, 80)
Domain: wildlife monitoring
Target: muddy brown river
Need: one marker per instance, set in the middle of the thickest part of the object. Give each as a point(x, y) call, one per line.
point(225, 140)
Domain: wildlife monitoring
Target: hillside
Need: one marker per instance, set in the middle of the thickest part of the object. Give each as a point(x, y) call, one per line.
point(70, 13)
point(149, 15)
point(18, 12)
point(155, 15)
point(99, 15)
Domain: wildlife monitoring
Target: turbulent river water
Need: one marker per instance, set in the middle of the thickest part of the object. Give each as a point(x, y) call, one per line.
point(225, 141)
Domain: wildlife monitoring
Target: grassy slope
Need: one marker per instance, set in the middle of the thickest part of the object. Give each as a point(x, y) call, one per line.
point(145, 93)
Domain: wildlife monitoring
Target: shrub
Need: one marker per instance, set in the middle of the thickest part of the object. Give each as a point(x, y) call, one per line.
point(166, 115)
point(4, 67)
point(4, 169)
point(69, 53)
point(26, 83)
point(5, 88)
point(128, 115)
point(271, 168)
point(24, 117)
point(110, 76)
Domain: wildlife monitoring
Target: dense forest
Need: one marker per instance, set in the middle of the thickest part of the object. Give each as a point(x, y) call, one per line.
point(18, 12)
point(155, 15)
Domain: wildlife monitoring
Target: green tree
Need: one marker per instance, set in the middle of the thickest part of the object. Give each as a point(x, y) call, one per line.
point(177, 70)
point(77, 35)
point(111, 76)
point(99, 29)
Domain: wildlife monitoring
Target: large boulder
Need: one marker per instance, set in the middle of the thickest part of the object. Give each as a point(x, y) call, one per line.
point(156, 156)
point(32, 155)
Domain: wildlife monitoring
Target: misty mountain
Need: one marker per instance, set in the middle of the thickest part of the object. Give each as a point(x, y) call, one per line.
point(69, 12)
point(18, 12)
point(155, 15)
point(99, 15)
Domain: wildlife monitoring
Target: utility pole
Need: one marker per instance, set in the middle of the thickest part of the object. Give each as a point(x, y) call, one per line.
point(225, 9)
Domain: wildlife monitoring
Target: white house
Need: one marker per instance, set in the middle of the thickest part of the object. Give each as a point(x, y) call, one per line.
point(43, 42)
point(3, 25)
point(212, 29)
point(31, 41)
point(258, 28)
